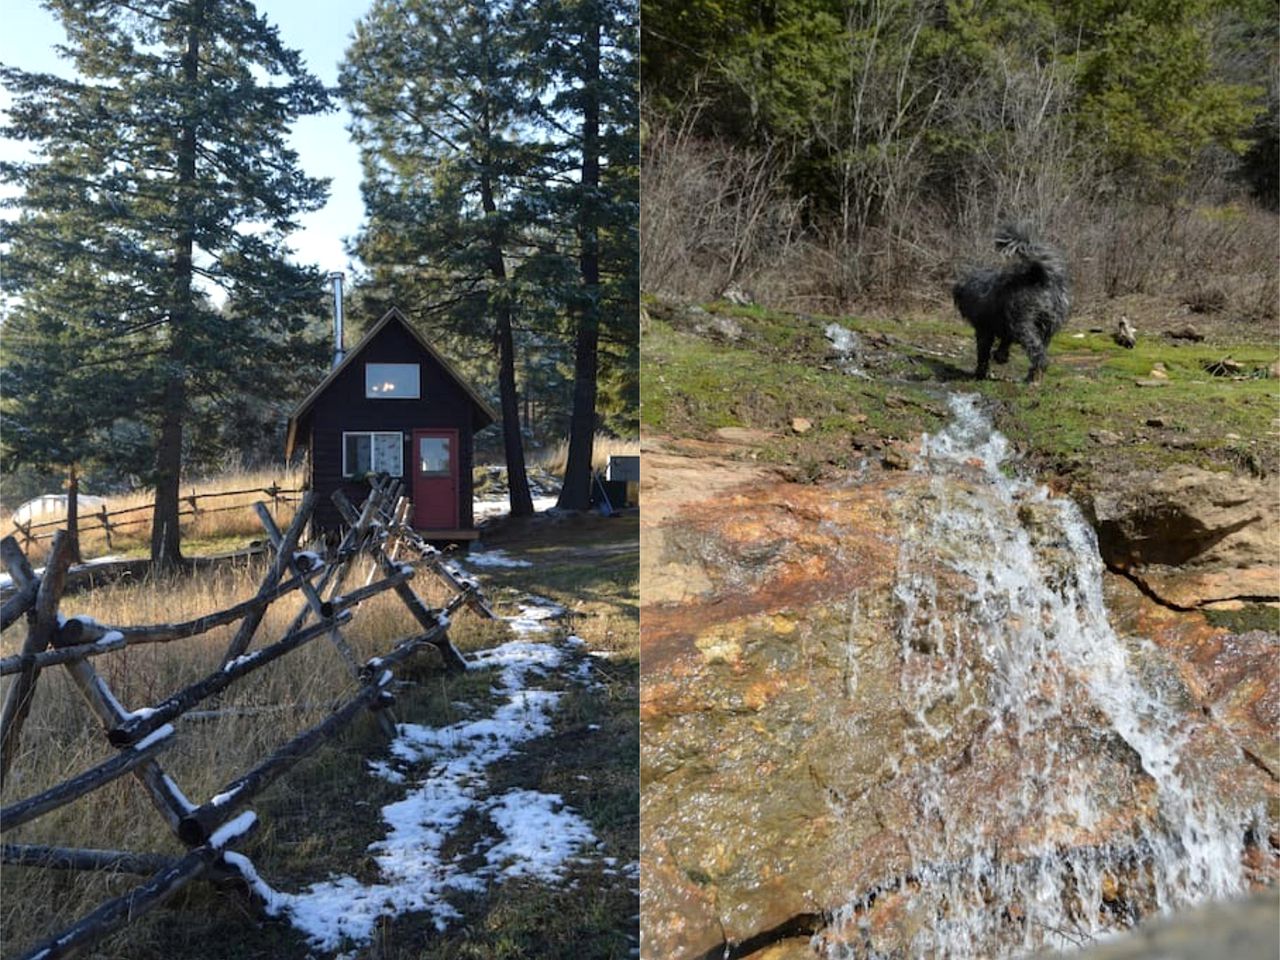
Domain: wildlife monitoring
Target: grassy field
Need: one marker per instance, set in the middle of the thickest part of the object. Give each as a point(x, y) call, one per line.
point(319, 820)
point(229, 523)
point(224, 523)
point(1102, 409)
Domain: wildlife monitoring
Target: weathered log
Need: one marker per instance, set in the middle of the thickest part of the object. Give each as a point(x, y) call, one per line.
point(84, 632)
point(19, 813)
point(404, 650)
point(199, 824)
point(113, 914)
point(347, 549)
point(135, 726)
point(420, 611)
point(437, 564)
point(105, 519)
point(403, 573)
point(275, 492)
point(75, 858)
point(426, 618)
point(16, 606)
point(40, 633)
point(436, 636)
point(23, 577)
point(164, 793)
point(308, 591)
point(51, 658)
point(240, 642)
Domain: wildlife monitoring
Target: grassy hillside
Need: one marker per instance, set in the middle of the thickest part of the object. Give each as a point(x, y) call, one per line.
point(1102, 409)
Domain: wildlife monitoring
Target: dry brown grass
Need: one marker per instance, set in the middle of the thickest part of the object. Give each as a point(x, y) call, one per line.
point(215, 527)
point(62, 737)
point(555, 459)
point(303, 837)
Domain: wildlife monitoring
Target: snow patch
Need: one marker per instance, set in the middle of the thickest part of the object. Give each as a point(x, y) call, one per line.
point(486, 509)
point(495, 558)
point(539, 833)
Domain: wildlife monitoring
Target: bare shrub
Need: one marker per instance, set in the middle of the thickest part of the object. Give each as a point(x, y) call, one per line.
point(713, 214)
point(554, 459)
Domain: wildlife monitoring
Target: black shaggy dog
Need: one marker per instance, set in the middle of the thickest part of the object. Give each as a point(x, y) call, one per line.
point(1024, 302)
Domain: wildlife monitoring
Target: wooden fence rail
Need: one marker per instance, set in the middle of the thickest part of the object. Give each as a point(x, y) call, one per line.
point(103, 519)
point(377, 534)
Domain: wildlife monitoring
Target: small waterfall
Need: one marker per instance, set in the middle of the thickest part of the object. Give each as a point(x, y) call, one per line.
point(1080, 802)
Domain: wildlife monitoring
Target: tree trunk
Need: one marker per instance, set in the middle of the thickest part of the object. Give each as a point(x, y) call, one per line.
point(512, 440)
point(576, 492)
point(166, 544)
point(509, 401)
point(73, 512)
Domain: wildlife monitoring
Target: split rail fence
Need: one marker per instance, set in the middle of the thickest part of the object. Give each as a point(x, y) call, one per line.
point(377, 532)
point(109, 521)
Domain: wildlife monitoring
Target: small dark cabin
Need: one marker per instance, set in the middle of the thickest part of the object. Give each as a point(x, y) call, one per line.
point(393, 405)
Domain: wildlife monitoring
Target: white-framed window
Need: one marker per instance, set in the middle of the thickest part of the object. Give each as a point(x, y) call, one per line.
point(392, 381)
point(372, 452)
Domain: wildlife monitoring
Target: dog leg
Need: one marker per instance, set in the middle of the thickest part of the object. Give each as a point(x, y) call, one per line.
point(1002, 350)
point(1038, 356)
point(985, 341)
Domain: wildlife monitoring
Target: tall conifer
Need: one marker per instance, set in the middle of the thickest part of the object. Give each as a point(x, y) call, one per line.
point(161, 174)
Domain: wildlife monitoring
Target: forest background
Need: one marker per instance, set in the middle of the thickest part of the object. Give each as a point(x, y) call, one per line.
point(815, 155)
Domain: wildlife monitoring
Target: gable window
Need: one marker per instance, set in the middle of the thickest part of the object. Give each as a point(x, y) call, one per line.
point(364, 453)
point(392, 381)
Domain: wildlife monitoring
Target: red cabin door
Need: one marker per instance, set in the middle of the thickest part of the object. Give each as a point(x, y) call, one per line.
point(435, 479)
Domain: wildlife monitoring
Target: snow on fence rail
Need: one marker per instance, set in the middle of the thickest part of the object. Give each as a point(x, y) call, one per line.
point(103, 518)
point(377, 531)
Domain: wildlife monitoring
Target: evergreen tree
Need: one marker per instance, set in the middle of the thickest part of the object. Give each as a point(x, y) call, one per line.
point(161, 173)
point(586, 53)
point(443, 130)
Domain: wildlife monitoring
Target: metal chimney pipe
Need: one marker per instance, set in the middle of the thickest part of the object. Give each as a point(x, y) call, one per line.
point(339, 350)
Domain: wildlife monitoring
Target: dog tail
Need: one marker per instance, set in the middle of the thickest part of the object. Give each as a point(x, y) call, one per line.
point(1015, 240)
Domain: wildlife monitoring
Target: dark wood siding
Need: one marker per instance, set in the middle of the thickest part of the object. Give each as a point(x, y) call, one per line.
point(343, 407)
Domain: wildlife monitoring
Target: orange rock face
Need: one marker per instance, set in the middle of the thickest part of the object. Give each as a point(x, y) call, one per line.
point(818, 718)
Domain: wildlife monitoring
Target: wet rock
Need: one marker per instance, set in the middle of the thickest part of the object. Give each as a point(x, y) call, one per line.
point(1125, 335)
point(831, 724)
point(704, 323)
point(895, 459)
point(1244, 930)
point(1191, 535)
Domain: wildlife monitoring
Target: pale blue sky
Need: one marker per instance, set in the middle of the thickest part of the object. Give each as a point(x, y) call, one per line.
point(321, 29)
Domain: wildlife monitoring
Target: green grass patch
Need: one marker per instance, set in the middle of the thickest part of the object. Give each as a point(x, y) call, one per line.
point(1101, 409)
point(690, 387)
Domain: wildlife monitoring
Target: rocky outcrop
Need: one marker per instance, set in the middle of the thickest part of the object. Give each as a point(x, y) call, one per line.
point(1192, 537)
point(1244, 930)
point(832, 738)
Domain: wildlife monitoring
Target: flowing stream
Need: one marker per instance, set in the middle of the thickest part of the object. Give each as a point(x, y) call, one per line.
point(1082, 802)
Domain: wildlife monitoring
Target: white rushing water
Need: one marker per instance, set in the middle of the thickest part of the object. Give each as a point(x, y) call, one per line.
point(1033, 861)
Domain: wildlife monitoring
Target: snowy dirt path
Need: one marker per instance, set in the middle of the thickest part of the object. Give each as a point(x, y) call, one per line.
point(529, 835)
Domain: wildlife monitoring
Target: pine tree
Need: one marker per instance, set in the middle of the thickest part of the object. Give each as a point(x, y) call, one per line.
point(161, 173)
point(433, 86)
point(586, 53)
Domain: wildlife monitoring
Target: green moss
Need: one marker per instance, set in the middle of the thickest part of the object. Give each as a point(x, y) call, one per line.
point(691, 386)
point(1252, 616)
point(1101, 409)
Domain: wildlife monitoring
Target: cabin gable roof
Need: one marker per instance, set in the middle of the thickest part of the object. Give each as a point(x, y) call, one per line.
point(486, 413)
